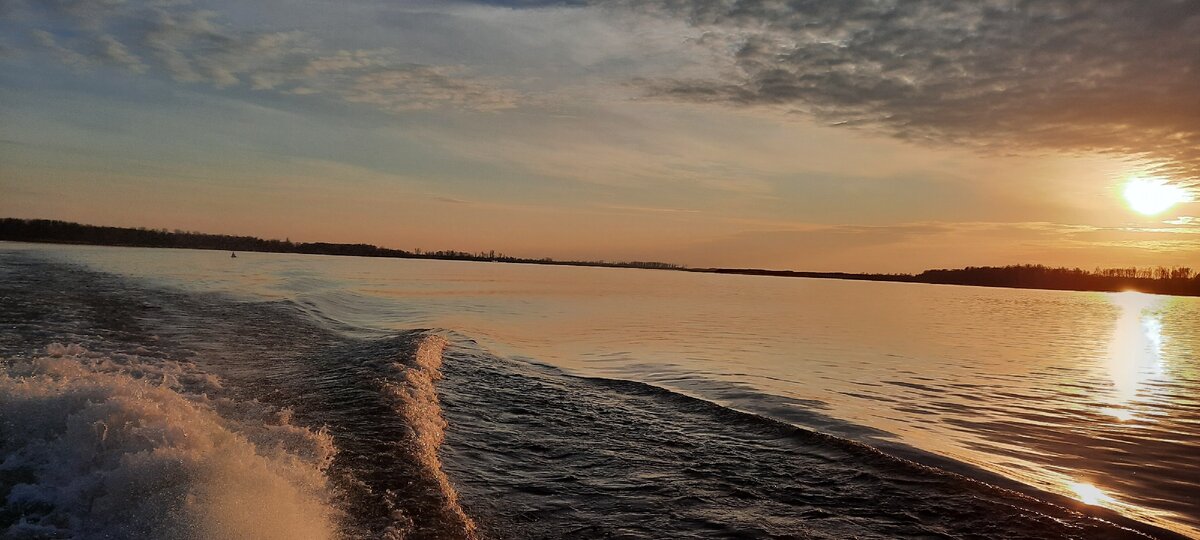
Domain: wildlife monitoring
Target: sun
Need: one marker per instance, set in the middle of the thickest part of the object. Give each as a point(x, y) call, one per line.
point(1152, 196)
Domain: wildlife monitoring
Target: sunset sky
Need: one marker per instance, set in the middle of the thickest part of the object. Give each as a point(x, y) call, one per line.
point(854, 135)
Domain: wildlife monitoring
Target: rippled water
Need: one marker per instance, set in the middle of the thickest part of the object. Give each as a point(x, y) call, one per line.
point(1092, 396)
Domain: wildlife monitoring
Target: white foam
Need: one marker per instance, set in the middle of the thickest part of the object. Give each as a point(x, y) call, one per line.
point(415, 389)
point(115, 446)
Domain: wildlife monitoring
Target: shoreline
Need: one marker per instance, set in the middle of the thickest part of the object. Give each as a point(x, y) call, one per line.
point(1176, 281)
point(1125, 285)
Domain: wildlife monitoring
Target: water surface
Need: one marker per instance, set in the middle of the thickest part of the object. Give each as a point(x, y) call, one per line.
point(1092, 396)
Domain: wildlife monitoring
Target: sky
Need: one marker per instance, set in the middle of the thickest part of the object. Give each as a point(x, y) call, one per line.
point(857, 135)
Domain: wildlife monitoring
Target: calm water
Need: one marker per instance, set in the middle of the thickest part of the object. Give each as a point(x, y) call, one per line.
point(1093, 396)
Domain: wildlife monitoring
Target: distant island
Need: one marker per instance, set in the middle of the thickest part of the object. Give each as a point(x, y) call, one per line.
point(1181, 281)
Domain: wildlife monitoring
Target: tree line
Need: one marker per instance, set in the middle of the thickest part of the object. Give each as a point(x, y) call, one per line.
point(65, 232)
point(1176, 280)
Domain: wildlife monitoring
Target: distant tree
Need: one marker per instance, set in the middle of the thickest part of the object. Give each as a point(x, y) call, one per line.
point(53, 231)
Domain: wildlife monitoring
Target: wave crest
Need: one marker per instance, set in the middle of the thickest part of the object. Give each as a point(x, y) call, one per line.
point(114, 447)
point(414, 389)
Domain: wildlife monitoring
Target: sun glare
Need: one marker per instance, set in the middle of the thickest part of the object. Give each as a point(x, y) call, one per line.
point(1089, 494)
point(1151, 196)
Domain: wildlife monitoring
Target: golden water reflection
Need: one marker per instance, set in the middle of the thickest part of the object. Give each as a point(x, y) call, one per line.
point(1134, 358)
point(1135, 352)
point(1089, 494)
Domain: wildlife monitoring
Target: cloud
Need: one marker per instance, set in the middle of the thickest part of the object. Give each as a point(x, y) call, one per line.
point(1055, 75)
point(448, 200)
point(99, 50)
point(1058, 75)
point(85, 12)
point(650, 209)
point(64, 55)
point(191, 47)
point(373, 77)
point(115, 52)
point(195, 46)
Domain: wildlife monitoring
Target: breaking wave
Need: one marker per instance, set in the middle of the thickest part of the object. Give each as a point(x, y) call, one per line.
point(414, 390)
point(112, 446)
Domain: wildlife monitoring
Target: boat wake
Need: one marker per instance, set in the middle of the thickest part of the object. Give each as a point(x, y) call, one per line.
point(413, 388)
point(99, 446)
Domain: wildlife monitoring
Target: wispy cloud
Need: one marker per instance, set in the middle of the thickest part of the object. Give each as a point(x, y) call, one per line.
point(115, 52)
point(650, 209)
point(1061, 75)
point(410, 87)
point(194, 46)
point(64, 55)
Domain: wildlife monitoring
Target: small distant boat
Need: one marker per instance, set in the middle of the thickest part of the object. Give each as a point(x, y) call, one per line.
point(232, 255)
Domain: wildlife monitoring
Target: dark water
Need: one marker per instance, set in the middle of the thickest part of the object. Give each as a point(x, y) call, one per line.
point(388, 436)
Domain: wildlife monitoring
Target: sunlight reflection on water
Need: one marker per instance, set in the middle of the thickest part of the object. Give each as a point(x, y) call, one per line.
point(1135, 352)
point(1134, 360)
point(1089, 494)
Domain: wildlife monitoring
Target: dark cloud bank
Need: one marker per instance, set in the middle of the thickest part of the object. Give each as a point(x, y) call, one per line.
point(1112, 76)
